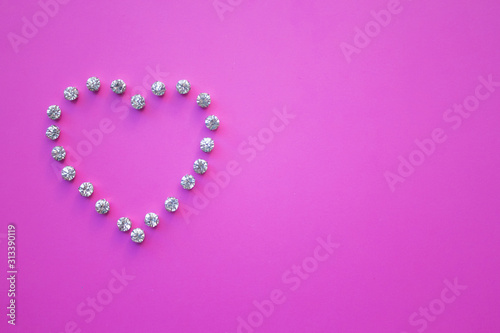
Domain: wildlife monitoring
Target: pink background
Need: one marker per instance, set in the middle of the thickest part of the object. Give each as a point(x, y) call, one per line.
point(321, 174)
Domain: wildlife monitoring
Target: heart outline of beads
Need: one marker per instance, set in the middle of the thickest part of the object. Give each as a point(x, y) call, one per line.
point(138, 102)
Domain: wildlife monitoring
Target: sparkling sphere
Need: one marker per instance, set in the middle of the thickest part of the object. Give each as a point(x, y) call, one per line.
point(102, 206)
point(212, 123)
point(137, 102)
point(68, 173)
point(207, 145)
point(53, 132)
point(54, 112)
point(93, 83)
point(200, 166)
point(151, 220)
point(158, 88)
point(203, 100)
point(137, 235)
point(71, 93)
point(86, 189)
point(187, 182)
point(124, 224)
point(118, 86)
point(58, 153)
point(183, 87)
point(171, 204)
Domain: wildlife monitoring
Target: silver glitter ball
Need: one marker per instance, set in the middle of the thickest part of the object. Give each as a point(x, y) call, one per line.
point(124, 224)
point(58, 153)
point(171, 204)
point(137, 102)
point(118, 86)
point(188, 182)
point(86, 189)
point(93, 83)
point(68, 173)
point(53, 132)
point(183, 87)
point(151, 220)
point(71, 93)
point(200, 166)
point(207, 145)
point(203, 100)
point(158, 88)
point(102, 206)
point(137, 235)
point(212, 122)
point(54, 112)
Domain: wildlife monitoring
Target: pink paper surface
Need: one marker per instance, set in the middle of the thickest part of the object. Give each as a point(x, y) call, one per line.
point(353, 186)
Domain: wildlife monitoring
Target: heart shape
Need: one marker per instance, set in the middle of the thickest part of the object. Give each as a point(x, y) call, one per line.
point(138, 102)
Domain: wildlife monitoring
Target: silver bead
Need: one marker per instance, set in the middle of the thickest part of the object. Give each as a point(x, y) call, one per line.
point(102, 206)
point(203, 100)
point(93, 84)
point(71, 93)
point(54, 112)
point(86, 189)
point(124, 224)
point(151, 220)
point(137, 235)
point(58, 153)
point(200, 166)
point(53, 132)
point(68, 173)
point(171, 204)
point(183, 87)
point(137, 102)
point(158, 88)
point(212, 122)
point(118, 86)
point(188, 182)
point(207, 145)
